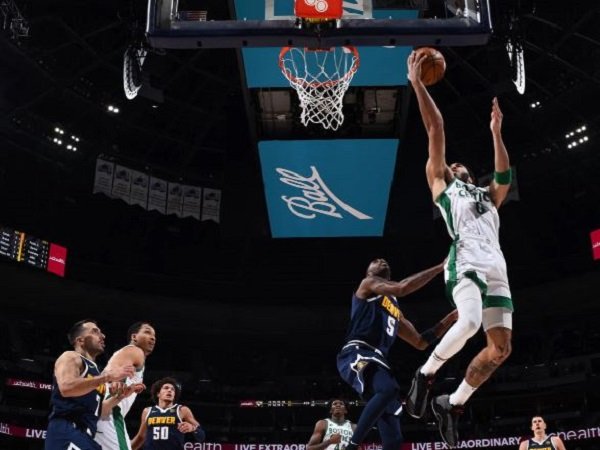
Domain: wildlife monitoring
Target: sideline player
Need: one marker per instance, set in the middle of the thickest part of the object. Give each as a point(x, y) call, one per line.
point(164, 425)
point(333, 433)
point(540, 440)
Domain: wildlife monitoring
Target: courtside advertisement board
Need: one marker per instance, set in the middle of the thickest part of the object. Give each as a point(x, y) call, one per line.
point(327, 188)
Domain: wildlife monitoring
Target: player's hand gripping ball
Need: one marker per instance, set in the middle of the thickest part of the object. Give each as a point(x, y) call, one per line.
point(433, 66)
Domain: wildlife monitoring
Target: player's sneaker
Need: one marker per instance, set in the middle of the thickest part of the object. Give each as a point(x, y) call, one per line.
point(447, 418)
point(416, 400)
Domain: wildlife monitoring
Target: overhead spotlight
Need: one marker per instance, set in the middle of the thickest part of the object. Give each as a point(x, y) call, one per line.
point(59, 142)
point(111, 108)
point(535, 105)
point(585, 138)
point(116, 110)
point(55, 140)
point(57, 130)
point(74, 149)
point(69, 146)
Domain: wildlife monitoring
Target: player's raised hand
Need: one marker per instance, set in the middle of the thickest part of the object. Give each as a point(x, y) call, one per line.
point(414, 63)
point(496, 117)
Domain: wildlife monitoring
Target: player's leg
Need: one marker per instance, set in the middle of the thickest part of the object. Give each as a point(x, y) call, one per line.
point(467, 298)
point(390, 431)
point(382, 391)
point(497, 323)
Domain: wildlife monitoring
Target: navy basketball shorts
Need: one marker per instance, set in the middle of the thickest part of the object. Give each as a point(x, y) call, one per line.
point(62, 434)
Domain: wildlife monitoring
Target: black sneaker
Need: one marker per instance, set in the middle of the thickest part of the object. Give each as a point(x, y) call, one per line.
point(447, 418)
point(416, 400)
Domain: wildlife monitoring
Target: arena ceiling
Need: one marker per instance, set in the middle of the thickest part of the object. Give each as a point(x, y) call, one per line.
point(193, 123)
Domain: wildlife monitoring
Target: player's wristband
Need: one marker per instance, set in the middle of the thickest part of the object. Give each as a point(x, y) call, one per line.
point(503, 177)
point(429, 336)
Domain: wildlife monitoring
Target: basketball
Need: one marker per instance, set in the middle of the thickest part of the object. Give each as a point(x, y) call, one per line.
point(433, 67)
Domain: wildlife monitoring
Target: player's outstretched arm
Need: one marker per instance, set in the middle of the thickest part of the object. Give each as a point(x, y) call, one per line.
point(138, 441)
point(420, 341)
point(380, 286)
point(67, 370)
point(500, 185)
point(437, 170)
point(523, 445)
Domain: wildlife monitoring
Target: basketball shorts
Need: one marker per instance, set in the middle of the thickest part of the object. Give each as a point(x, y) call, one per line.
point(355, 361)
point(62, 434)
point(481, 260)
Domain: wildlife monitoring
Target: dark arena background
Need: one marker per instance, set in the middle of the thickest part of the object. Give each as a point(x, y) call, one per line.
point(159, 208)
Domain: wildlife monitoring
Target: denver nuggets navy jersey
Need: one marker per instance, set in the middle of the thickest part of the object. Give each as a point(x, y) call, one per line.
point(374, 321)
point(546, 444)
point(162, 432)
point(83, 410)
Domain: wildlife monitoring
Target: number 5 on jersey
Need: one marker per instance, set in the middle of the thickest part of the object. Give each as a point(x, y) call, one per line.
point(391, 326)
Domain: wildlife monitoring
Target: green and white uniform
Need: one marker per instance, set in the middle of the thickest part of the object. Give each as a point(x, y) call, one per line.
point(112, 432)
point(344, 430)
point(473, 224)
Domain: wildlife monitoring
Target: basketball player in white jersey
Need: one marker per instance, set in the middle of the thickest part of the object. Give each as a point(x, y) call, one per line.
point(475, 270)
point(333, 433)
point(112, 432)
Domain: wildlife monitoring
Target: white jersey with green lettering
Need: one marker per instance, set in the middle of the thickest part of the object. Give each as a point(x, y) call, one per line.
point(474, 225)
point(469, 210)
point(344, 430)
point(112, 431)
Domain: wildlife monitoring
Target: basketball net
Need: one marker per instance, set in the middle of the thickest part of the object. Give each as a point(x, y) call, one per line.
point(321, 77)
point(517, 62)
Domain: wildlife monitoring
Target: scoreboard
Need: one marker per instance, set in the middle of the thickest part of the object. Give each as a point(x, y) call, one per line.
point(33, 251)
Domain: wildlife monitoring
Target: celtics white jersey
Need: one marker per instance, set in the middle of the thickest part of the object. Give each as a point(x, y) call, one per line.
point(469, 211)
point(344, 430)
point(112, 431)
point(473, 223)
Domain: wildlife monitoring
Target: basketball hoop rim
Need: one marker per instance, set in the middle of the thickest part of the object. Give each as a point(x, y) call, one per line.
point(316, 84)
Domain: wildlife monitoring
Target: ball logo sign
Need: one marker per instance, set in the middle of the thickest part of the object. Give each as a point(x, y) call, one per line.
point(316, 197)
point(327, 188)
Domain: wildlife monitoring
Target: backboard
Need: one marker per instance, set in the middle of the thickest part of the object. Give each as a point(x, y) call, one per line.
point(362, 25)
